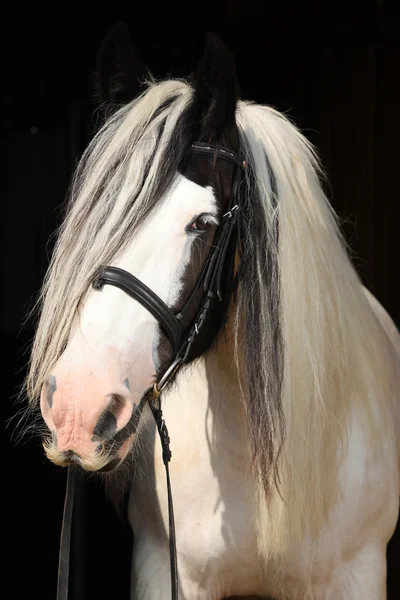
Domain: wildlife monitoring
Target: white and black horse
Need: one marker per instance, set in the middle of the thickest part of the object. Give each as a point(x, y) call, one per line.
point(284, 412)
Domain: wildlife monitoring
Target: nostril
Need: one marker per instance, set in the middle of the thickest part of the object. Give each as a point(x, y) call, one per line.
point(117, 404)
point(106, 426)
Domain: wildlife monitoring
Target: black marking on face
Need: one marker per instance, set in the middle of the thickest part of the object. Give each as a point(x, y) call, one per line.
point(216, 174)
point(51, 388)
point(126, 383)
point(106, 427)
point(72, 457)
point(112, 443)
point(129, 428)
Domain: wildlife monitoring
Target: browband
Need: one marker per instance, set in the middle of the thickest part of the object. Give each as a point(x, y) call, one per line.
point(233, 157)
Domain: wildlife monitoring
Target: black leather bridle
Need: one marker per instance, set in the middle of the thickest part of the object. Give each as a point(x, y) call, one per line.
point(182, 330)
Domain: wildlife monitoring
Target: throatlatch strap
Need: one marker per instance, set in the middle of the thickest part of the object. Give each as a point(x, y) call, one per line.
point(65, 544)
point(166, 455)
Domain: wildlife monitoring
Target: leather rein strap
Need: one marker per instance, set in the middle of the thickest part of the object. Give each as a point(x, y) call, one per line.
point(65, 543)
point(181, 338)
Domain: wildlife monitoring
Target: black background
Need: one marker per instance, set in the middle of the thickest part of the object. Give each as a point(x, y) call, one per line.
point(333, 67)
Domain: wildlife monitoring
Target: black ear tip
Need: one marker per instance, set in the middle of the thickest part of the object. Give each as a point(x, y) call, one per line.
point(217, 51)
point(213, 42)
point(213, 38)
point(120, 71)
point(119, 29)
point(117, 34)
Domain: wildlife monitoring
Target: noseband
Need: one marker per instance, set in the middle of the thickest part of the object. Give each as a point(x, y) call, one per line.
point(182, 330)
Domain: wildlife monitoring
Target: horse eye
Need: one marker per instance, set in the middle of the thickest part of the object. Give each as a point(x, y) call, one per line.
point(202, 223)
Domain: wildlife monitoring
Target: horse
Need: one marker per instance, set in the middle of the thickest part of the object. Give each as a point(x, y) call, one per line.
point(283, 409)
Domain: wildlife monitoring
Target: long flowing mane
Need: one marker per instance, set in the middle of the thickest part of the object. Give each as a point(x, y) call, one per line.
point(321, 357)
point(305, 332)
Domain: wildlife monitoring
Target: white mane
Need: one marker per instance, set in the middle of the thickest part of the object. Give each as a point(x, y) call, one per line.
point(335, 364)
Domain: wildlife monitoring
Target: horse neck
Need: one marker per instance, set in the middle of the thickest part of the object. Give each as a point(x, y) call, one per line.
point(205, 408)
point(225, 404)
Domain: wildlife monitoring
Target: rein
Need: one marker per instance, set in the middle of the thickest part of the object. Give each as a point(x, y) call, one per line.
point(181, 332)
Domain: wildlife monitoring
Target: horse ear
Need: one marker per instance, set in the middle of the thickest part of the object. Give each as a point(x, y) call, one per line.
point(216, 89)
point(120, 72)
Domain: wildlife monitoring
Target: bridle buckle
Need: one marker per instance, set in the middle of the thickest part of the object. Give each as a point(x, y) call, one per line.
point(230, 212)
point(169, 373)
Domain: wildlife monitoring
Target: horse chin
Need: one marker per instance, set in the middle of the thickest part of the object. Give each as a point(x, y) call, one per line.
point(100, 460)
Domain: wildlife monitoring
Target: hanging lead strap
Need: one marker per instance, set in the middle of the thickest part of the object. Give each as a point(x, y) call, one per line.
point(65, 544)
point(166, 455)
